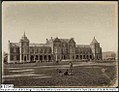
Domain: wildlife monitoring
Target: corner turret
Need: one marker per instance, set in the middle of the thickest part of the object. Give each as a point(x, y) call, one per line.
point(96, 49)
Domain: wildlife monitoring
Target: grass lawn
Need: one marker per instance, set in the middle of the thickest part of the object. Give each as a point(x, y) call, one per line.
point(46, 74)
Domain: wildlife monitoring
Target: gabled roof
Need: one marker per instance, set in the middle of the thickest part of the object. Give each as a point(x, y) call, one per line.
point(50, 41)
point(60, 39)
point(14, 44)
point(94, 41)
point(64, 40)
point(24, 38)
point(83, 46)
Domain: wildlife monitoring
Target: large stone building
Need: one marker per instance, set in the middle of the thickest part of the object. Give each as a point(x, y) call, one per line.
point(55, 49)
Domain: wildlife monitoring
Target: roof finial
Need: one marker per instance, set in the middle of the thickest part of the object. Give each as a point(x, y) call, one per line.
point(94, 41)
point(24, 34)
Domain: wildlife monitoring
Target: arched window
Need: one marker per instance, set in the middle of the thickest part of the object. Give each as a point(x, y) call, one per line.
point(31, 50)
point(32, 57)
point(37, 50)
point(49, 51)
point(80, 56)
point(36, 57)
point(45, 50)
point(41, 50)
point(49, 57)
point(14, 50)
point(84, 56)
point(90, 56)
point(15, 58)
point(41, 57)
point(25, 58)
point(45, 57)
point(87, 56)
point(64, 57)
point(77, 56)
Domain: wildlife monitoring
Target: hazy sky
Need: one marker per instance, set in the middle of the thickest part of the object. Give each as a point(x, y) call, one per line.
point(80, 20)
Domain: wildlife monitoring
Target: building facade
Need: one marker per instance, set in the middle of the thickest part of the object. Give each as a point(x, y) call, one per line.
point(55, 49)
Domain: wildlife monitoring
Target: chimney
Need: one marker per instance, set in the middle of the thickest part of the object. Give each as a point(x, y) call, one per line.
point(9, 41)
point(46, 40)
point(51, 38)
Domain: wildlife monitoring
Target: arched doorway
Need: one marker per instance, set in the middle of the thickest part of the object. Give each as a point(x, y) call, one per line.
point(24, 58)
point(83, 56)
point(90, 56)
point(32, 58)
point(36, 57)
point(41, 58)
point(64, 57)
point(87, 57)
point(49, 57)
point(45, 57)
point(80, 56)
point(77, 56)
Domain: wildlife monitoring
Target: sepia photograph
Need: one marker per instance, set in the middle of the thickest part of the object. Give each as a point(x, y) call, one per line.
point(60, 44)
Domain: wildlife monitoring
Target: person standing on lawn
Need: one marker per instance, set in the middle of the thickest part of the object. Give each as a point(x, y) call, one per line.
point(71, 66)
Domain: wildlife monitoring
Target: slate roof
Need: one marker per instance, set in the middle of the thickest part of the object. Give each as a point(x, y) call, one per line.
point(38, 45)
point(64, 40)
point(83, 46)
point(14, 44)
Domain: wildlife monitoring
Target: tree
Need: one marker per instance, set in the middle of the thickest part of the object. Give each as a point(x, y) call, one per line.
point(5, 57)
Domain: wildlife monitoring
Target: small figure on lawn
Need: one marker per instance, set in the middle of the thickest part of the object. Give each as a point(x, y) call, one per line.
point(71, 66)
point(66, 72)
point(59, 71)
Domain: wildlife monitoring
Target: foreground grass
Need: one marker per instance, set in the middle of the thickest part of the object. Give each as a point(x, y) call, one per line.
point(82, 75)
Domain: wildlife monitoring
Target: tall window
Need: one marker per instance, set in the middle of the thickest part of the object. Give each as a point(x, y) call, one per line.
point(72, 57)
point(41, 50)
point(45, 50)
point(49, 50)
point(37, 50)
point(25, 44)
point(15, 58)
point(14, 50)
point(90, 56)
point(31, 50)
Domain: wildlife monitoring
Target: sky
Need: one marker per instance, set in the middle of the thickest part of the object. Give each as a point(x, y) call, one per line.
point(80, 20)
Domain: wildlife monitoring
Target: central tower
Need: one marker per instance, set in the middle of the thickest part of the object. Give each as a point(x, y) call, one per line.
point(24, 49)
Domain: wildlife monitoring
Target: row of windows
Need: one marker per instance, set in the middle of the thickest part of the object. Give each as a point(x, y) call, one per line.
point(40, 50)
point(63, 45)
point(14, 50)
point(82, 52)
point(84, 56)
point(49, 50)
